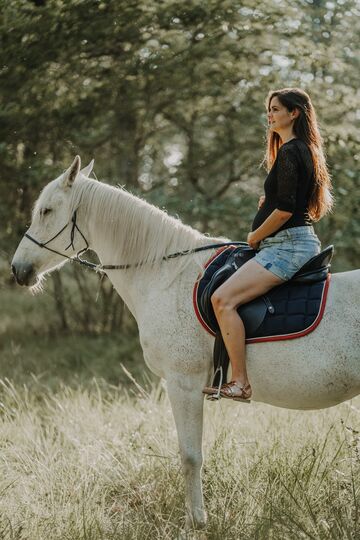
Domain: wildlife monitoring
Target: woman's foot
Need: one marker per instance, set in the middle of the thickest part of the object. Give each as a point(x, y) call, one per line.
point(236, 391)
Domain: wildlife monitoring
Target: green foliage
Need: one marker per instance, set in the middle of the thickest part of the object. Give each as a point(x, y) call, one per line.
point(169, 99)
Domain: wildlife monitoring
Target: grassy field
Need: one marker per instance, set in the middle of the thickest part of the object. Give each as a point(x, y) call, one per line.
point(87, 454)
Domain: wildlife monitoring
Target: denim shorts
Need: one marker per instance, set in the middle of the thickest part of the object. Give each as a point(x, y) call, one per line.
point(286, 252)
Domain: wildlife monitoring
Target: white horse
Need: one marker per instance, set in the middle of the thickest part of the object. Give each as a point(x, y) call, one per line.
point(312, 372)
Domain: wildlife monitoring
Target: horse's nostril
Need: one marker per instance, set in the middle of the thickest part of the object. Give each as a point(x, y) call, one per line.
point(23, 272)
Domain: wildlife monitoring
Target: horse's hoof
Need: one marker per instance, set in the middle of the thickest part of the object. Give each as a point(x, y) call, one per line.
point(197, 521)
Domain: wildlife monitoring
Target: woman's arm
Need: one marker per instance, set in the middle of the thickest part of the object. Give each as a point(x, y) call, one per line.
point(271, 224)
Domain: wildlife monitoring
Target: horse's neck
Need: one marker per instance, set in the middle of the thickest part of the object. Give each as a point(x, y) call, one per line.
point(121, 279)
point(132, 284)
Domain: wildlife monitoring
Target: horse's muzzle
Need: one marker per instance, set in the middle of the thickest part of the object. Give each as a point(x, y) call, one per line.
point(24, 273)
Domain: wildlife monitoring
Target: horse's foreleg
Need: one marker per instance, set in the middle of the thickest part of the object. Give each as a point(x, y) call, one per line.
point(187, 405)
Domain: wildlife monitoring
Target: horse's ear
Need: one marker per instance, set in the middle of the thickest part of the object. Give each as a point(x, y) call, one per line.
point(86, 171)
point(70, 175)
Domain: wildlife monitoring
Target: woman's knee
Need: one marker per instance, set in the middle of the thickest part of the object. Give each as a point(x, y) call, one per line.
point(220, 302)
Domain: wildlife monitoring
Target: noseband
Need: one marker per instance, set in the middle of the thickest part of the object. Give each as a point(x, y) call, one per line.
point(103, 267)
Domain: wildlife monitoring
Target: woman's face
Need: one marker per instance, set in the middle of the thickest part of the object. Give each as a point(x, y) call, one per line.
point(279, 118)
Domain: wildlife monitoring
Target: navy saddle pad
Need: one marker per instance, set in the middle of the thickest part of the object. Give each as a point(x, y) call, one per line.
point(290, 310)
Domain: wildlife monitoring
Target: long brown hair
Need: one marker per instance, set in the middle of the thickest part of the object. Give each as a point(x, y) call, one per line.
point(305, 128)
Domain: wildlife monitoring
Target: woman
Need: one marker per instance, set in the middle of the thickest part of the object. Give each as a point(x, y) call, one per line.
point(297, 193)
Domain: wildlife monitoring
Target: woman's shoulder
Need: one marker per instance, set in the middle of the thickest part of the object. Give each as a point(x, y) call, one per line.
point(299, 143)
point(289, 151)
point(296, 150)
point(293, 143)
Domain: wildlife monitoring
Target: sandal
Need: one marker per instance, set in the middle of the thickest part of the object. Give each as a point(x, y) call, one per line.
point(233, 390)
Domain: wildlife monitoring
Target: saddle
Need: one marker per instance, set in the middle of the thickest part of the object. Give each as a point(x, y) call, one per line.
point(288, 311)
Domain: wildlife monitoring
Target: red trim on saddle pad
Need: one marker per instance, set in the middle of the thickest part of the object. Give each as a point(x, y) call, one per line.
point(267, 338)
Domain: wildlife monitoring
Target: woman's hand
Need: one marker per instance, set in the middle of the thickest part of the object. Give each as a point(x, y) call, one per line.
point(252, 241)
point(261, 201)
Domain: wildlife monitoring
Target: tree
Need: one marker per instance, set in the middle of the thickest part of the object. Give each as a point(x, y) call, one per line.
point(169, 99)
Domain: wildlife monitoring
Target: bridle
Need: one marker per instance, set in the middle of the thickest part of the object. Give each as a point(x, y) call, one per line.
point(103, 267)
point(77, 258)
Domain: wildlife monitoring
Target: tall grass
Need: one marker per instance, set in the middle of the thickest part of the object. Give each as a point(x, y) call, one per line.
point(87, 455)
point(102, 463)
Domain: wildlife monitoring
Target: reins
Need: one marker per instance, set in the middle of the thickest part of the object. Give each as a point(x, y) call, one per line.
point(104, 267)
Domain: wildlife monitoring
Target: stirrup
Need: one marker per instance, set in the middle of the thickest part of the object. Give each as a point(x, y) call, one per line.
point(217, 396)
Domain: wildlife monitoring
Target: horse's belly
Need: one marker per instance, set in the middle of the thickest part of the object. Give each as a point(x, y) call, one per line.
point(301, 401)
point(297, 384)
point(307, 373)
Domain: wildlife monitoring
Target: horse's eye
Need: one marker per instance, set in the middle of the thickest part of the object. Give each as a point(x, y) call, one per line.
point(45, 211)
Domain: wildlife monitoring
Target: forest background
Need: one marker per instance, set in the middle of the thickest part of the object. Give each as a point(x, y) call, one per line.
point(169, 98)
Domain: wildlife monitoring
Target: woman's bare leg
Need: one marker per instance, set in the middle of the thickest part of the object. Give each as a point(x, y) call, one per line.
point(233, 333)
point(247, 283)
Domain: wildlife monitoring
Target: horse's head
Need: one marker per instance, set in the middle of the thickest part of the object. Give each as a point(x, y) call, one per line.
point(51, 229)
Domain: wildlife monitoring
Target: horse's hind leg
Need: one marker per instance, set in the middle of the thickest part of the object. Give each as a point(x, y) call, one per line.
point(187, 405)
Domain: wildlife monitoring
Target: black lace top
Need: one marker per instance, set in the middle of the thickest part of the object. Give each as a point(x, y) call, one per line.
point(288, 185)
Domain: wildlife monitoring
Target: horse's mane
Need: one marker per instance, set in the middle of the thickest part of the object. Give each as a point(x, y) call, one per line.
point(137, 230)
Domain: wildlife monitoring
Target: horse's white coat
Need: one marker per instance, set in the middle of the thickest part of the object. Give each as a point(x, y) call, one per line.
point(316, 371)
